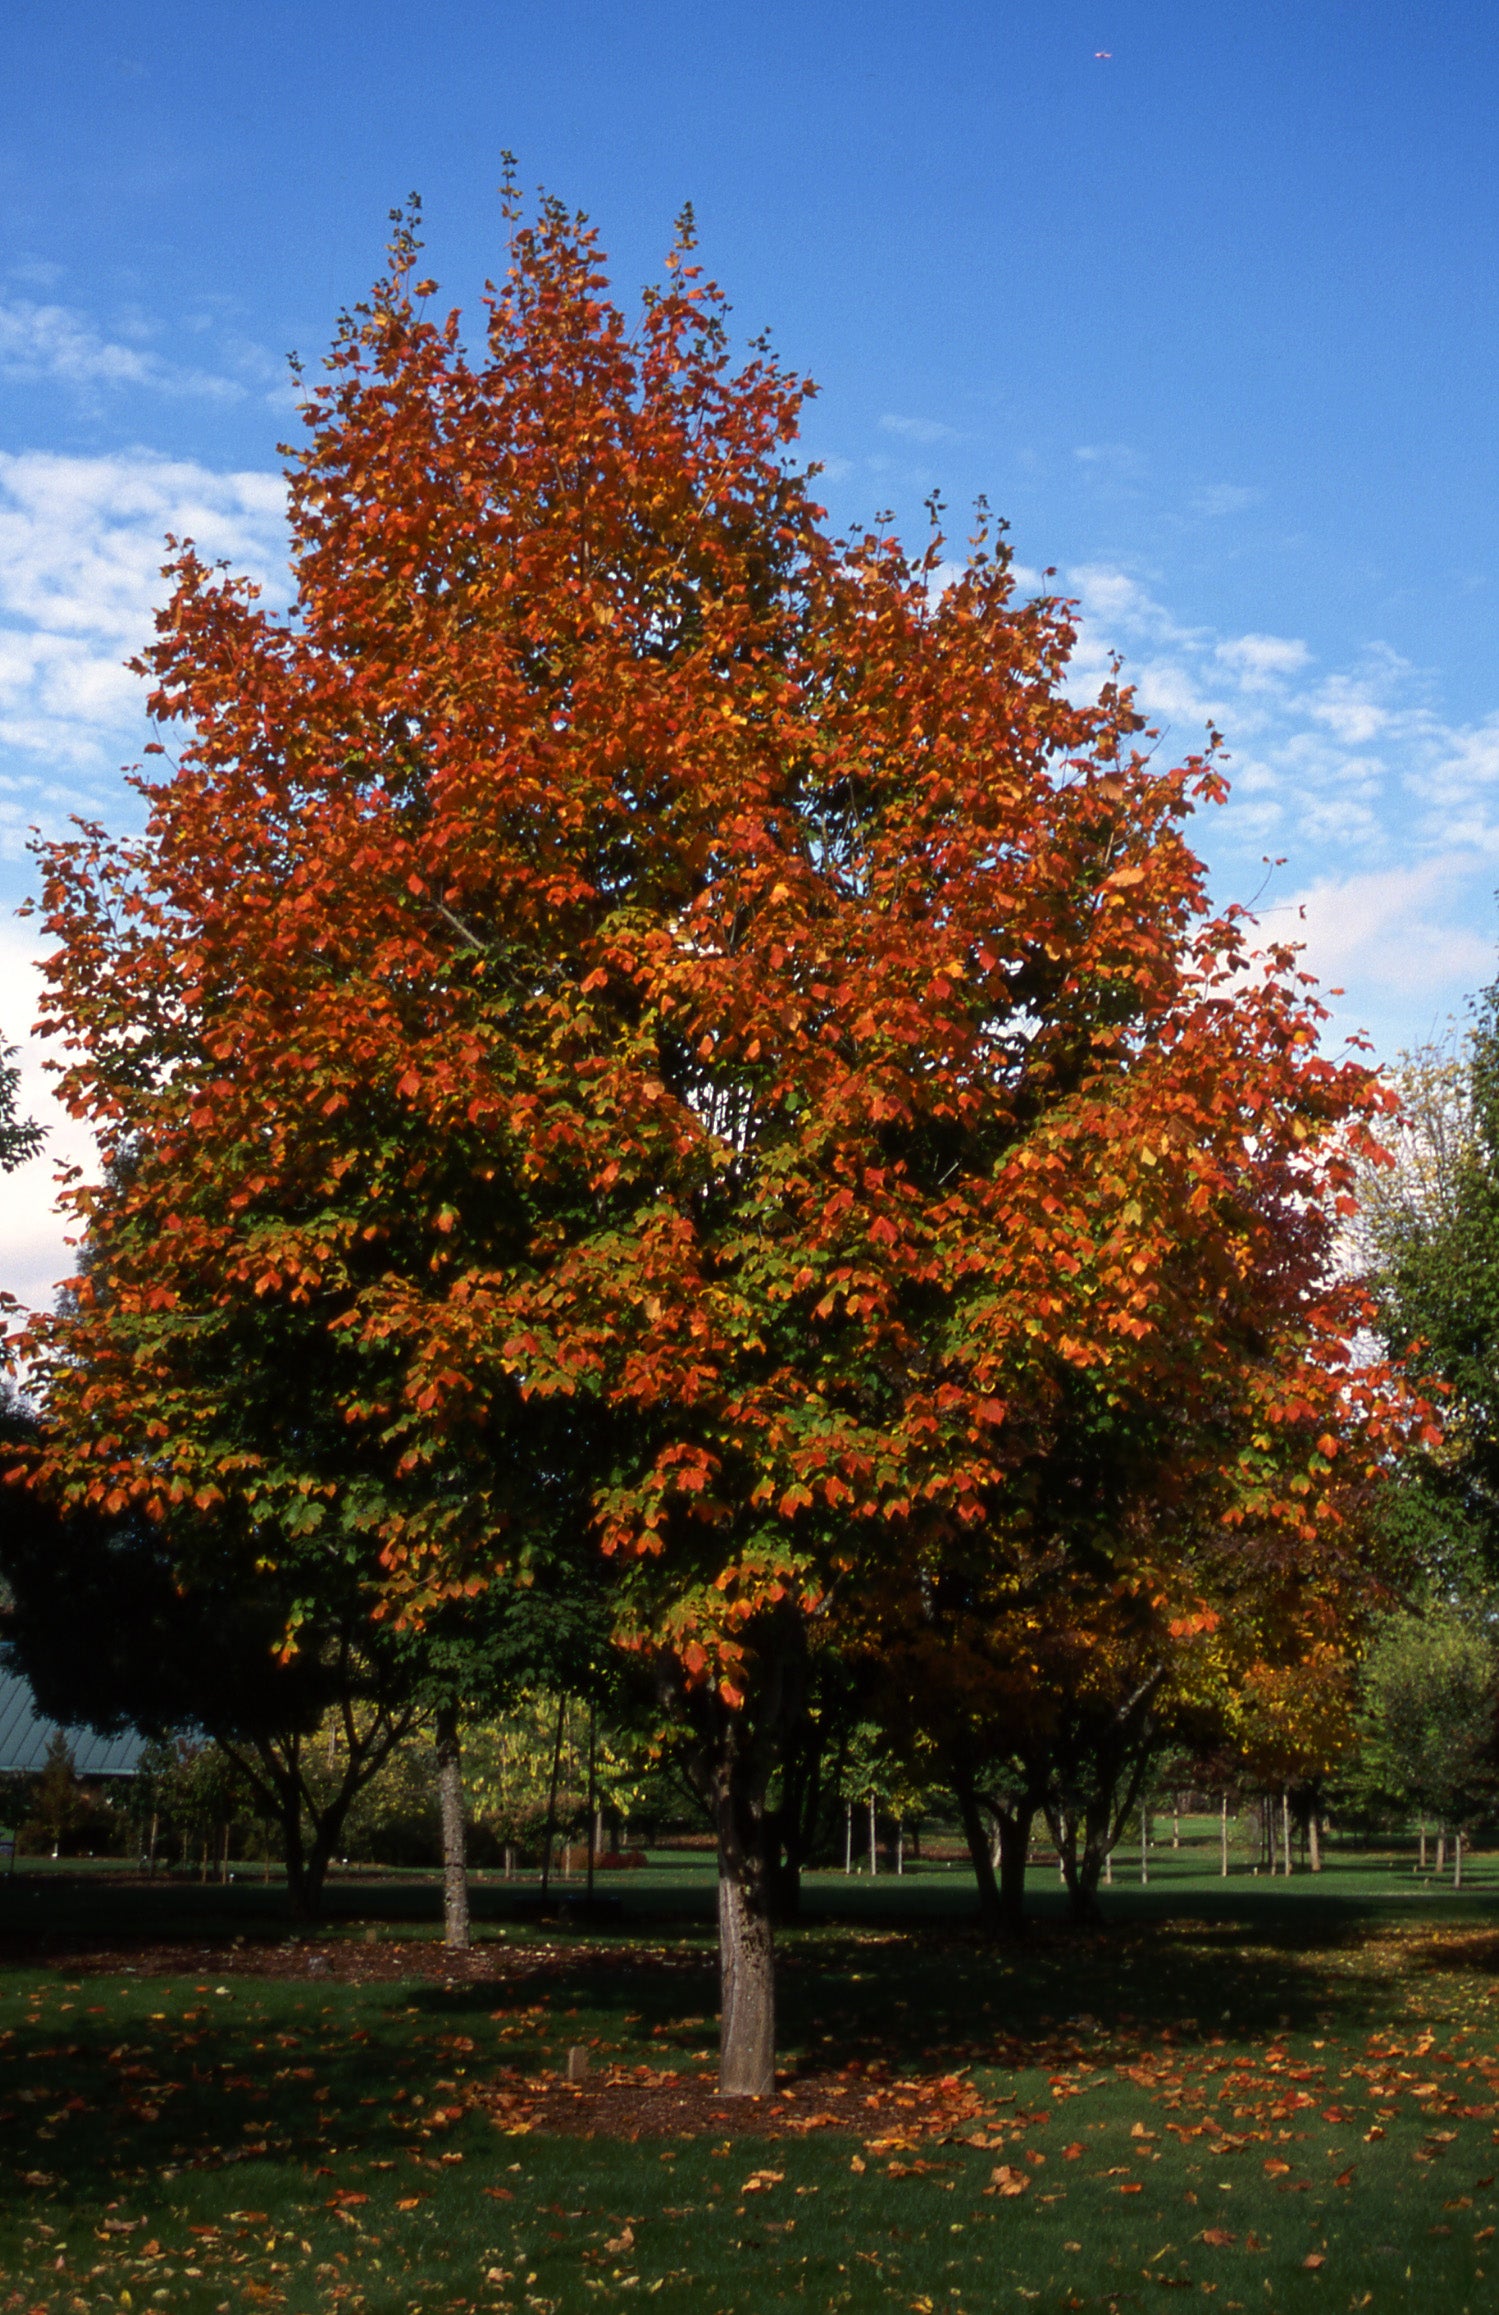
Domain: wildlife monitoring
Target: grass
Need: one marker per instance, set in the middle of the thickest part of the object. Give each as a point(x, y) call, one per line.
point(1264, 2094)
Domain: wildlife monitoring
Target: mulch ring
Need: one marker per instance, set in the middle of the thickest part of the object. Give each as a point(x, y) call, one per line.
point(623, 2102)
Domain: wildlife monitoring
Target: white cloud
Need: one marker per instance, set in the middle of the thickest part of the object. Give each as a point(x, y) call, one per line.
point(1401, 937)
point(34, 1257)
point(81, 549)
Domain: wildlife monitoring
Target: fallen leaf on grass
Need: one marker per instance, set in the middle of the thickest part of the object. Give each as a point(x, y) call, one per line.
point(1276, 2167)
point(623, 2241)
point(1314, 2259)
point(1074, 2152)
point(1132, 2186)
point(499, 2194)
point(1009, 2180)
point(759, 2180)
point(1219, 2237)
point(857, 2162)
point(411, 2202)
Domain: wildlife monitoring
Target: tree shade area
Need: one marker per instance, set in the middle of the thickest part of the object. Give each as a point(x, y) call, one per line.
point(707, 1250)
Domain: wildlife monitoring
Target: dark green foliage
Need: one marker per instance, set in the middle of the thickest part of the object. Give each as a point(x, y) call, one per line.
point(1431, 1701)
point(20, 1138)
point(1434, 1231)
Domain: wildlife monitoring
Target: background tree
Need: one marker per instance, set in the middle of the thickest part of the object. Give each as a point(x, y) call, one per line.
point(57, 1798)
point(1429, 1235)
point(20, 1138)
point(621, 965)
point(116, 1623)
point(1430, 1721)
point(475, 1656)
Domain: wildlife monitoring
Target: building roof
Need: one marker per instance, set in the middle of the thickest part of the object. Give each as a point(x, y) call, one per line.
point(25, 1737)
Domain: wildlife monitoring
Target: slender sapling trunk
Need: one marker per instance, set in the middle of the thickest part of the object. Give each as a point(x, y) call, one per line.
point(455, 1921)
point(551, 1831)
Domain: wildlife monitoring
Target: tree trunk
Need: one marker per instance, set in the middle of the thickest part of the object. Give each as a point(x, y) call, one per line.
point(848, 1837)
point(1223, 1836)
point(1441, 1848)
point(1285, 1826)
point(1081, 1874)
point(1144, 1844)
point(1314, 1838)
point(593, 1792)
point(1457, 1858)
point(551, 1831)
point(1014, 1856)
point(991, 1910)
point(746, 1952)
point(1423, 1844)
point(874, 1855)
point(455, 1925)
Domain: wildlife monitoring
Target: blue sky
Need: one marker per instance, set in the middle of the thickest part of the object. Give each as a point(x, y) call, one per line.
point(1201, 296)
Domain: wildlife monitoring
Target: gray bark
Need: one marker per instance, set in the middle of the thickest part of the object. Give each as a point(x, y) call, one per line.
point(746, 1955)
point(455, 1923)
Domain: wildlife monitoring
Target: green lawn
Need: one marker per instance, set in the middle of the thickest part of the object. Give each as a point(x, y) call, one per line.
point(1266, 2094)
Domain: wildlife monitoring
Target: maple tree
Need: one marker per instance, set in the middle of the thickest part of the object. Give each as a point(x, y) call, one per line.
point(695, 1028)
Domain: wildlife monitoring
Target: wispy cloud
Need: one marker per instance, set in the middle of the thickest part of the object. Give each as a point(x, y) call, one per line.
point(1384, 811)
point(1260, 659)
point(40, 343)
point(919, 429)
point(1224, 498)
point(1115, 460)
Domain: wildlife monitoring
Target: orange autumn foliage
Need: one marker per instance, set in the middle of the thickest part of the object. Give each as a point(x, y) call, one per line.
point(614, 944)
